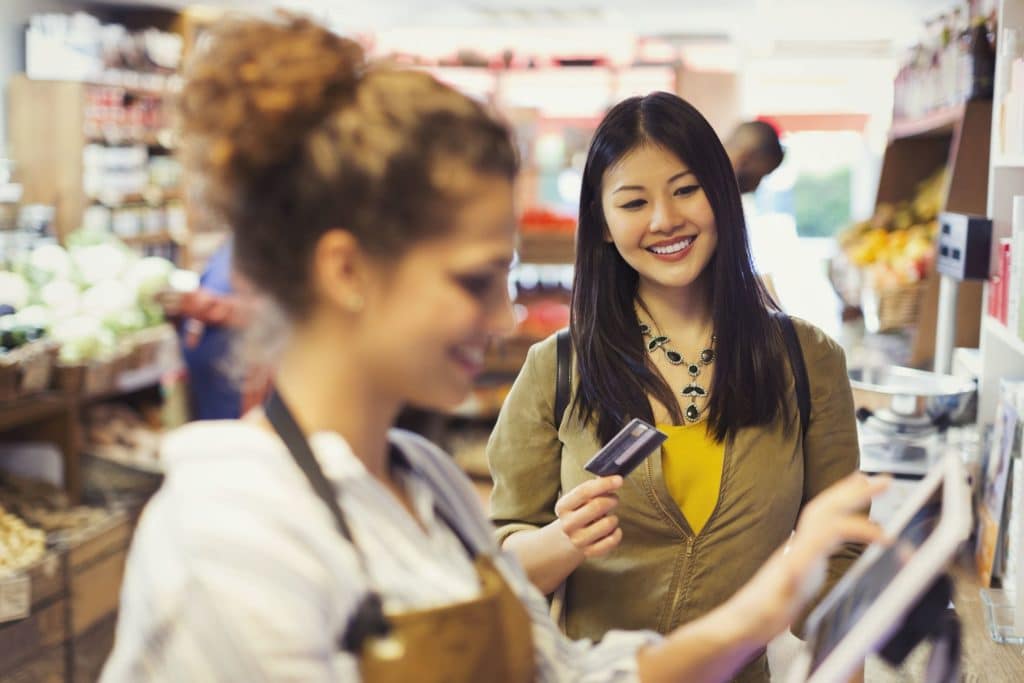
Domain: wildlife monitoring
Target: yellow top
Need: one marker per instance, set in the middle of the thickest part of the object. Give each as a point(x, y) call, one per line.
point(692, 462)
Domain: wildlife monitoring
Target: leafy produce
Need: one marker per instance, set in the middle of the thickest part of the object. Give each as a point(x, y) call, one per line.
point(86, 296)
point(82, 339)
point(48, 262)
point(14, 290)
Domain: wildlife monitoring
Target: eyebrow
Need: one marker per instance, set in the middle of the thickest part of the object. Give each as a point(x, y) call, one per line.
point(677, 176)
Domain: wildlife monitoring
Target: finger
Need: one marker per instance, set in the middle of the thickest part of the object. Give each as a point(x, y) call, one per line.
point(579, 496)
point(854, 492)
point(588, 514)
point(604, 546)
point(859, 530)
point(826, 537)
point(593, 533)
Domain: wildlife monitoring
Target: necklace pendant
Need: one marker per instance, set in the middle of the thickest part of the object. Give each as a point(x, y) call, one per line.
point(694, 369)
point(707, 356)
point(692, 413)
point(656, 342)
point(693, 390)
point(674, 357)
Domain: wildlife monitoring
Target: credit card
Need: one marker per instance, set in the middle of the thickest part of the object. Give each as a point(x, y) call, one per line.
point(626, 450)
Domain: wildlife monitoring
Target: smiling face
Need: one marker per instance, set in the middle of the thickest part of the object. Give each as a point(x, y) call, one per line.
point(438, 307)
point(658, 217)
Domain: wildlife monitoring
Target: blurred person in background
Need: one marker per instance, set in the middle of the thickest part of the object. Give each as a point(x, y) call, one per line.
point(207, 320)
point(755, 152)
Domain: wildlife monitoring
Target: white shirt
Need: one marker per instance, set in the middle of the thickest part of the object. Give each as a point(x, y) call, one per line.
point(237, 571)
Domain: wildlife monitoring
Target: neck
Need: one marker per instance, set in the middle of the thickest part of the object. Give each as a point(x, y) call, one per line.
point(327, 390)
point(685, 311)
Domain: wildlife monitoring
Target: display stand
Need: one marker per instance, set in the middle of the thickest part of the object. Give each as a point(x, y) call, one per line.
point(1000, 616)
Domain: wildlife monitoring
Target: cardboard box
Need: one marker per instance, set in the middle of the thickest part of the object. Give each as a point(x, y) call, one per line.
point(89, 650)
point(95, 560)
point(33, 649)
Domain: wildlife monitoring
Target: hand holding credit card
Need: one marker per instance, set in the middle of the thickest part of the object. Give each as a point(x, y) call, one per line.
point(626, 450)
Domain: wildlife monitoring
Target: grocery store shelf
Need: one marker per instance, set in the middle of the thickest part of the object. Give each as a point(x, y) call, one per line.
point(29, 409)
point(547, 247)
point(1009, 161)
point(1002, 333)
point(148, 239)
point(939, 122)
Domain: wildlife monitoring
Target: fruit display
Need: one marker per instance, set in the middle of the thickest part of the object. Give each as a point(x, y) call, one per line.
point(118, 432)
point(20, 545)
point(896, 246)
point(45, 506)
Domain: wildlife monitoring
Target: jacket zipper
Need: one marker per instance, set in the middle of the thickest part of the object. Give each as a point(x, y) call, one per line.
point(682, 576)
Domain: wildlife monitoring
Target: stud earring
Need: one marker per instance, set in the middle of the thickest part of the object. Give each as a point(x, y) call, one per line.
point(355, 303)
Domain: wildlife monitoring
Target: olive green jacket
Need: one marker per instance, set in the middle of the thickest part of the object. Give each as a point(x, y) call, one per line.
point(662, 575)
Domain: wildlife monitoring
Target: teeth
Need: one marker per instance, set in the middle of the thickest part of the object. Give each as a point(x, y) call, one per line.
point(673, 248)
point(472, 354)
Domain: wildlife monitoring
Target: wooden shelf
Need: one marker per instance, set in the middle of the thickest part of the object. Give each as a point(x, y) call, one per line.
point(24, 411)
point(544, 247)
point(939, 122)
point(114, 141)
point(147, 240)
point(1009, 161)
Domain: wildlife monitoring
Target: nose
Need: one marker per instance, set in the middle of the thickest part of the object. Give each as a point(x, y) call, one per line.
point(664, 216)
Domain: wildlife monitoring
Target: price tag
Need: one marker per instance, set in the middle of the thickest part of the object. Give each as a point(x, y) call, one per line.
point(15, 597)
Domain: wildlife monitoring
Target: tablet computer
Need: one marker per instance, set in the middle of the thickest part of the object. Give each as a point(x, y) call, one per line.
point(870, 602)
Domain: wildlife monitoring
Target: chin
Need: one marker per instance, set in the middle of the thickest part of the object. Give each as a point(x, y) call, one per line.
point(442, 400)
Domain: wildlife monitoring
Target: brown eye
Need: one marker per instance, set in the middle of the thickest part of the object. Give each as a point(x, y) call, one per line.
point(635, 204)
point(476, 285)
point(686, 190)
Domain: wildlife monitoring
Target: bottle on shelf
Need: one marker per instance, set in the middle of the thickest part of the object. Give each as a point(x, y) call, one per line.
point(983, 61)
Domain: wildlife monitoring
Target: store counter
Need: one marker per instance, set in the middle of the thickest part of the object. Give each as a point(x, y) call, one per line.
point(982, 659)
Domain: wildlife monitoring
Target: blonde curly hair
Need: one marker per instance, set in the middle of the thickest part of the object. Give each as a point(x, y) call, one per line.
point(289, 132)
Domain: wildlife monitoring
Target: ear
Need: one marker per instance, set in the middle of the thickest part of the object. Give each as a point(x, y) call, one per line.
point(340, 271)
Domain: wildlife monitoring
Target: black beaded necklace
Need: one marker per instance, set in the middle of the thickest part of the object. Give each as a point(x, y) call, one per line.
point(693, 390)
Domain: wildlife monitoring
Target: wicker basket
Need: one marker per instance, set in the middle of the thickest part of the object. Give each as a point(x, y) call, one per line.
point(87, 379)
point(27, 369)
point(892, 309)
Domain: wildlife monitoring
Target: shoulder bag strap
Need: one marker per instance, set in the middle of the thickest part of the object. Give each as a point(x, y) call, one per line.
point(562, 375)
point(796, 360)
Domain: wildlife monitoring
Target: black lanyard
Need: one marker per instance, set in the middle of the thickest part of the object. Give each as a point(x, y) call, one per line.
point(369, 619)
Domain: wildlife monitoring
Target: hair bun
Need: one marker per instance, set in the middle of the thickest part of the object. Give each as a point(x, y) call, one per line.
point(257, 87)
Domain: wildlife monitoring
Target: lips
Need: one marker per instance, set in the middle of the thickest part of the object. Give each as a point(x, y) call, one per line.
point(674, 248)
point(471, 358)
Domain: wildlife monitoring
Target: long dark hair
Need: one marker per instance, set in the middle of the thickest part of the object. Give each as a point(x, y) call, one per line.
point(616, 374)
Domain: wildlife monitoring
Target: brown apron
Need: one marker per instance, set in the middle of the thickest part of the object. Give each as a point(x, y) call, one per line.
point(488, 638)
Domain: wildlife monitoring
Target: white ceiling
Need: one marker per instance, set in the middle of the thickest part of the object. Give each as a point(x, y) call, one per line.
point(895, 21)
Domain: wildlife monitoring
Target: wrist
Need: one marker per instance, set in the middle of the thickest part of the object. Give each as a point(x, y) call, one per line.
point(560, 540)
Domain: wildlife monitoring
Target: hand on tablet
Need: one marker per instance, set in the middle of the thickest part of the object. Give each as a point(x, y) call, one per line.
point(794, 574)
point(583, 514)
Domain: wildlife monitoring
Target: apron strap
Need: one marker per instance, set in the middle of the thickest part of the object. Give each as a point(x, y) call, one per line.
point(284, 424)
point(369, 620)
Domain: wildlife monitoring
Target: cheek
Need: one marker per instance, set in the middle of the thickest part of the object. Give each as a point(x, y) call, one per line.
point(624, 230)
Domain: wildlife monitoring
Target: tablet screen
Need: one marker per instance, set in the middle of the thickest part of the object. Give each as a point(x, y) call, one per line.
point(841, 617)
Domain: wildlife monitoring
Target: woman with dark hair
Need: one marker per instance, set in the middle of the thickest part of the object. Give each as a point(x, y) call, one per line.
point(669, 324)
